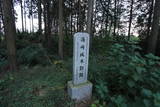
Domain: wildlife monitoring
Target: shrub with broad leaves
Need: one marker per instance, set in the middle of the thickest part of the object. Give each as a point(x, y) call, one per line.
point(123, 77)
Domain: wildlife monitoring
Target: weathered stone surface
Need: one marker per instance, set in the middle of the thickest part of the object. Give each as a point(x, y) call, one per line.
point(79, 89)
point(81, 92)
point(80, 58)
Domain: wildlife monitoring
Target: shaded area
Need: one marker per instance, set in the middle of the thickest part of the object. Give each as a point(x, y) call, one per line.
point(37, 87)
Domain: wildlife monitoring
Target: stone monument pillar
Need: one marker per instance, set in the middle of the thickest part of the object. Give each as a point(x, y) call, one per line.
point(80, 89)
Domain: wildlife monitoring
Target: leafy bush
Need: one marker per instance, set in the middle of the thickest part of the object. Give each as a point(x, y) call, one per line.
point(33, 37)
point(32, 55)
point(123, 77)
point(97, 104)
point(100, 44)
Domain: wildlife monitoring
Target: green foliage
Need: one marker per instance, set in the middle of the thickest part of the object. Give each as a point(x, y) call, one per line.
point(98, 104)
point(30, 51)
point(123, 77)
point(36, 87)
point(33, 55)
point(102, 90)
point(4, 82)
point(34, 37)
point(100, 44)
point(119, 101)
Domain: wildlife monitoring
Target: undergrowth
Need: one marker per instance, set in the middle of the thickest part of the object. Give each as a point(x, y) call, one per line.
point(36, 87)
point(121, 76)
point(124, 78)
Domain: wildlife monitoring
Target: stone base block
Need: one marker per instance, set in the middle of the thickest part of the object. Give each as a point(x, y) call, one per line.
point(81, 92)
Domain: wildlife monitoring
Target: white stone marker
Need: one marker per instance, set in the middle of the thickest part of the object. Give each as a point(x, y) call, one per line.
point(79, 88)
point(80, 58)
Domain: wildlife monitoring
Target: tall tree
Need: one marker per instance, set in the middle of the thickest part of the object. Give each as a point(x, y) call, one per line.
point(71, 16)
point(1, 17)
point(31, 12)
point(149, 24)
point(115, 17)
point(10, 32)
point(45, 18)
point(25, 16)
point(152, 43)
point(90, 16)
point(21, 3)
point(106, 7)
point(130, 19)
point(60, 45)
point(39, 16)
point(48, 23)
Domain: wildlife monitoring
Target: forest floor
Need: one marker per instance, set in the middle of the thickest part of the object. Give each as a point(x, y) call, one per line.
point(36, 87)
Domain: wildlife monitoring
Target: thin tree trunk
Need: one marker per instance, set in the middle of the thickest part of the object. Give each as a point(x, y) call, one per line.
point(39, 17)
point(0, 27)
point(94, 19)
point(22, 15)
point(25, 22)
point(71, 17)
point(78, 17)
point(130, 20)
point(66, 30)
point(60, 47)
point(48, 26)
point(45, 21)
point(10, 32)
point(77, 22)
point(115, 17)
point(152, 43)
point(107, 17)
point(90, 16)
point(74, 26)
point(119, 15)
point(32, 16)
point(150, 18)
point(71, 25)
point(30, 24)
point(1, 18)
point(81, 13)
point(110, 27)
point(90, 19)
